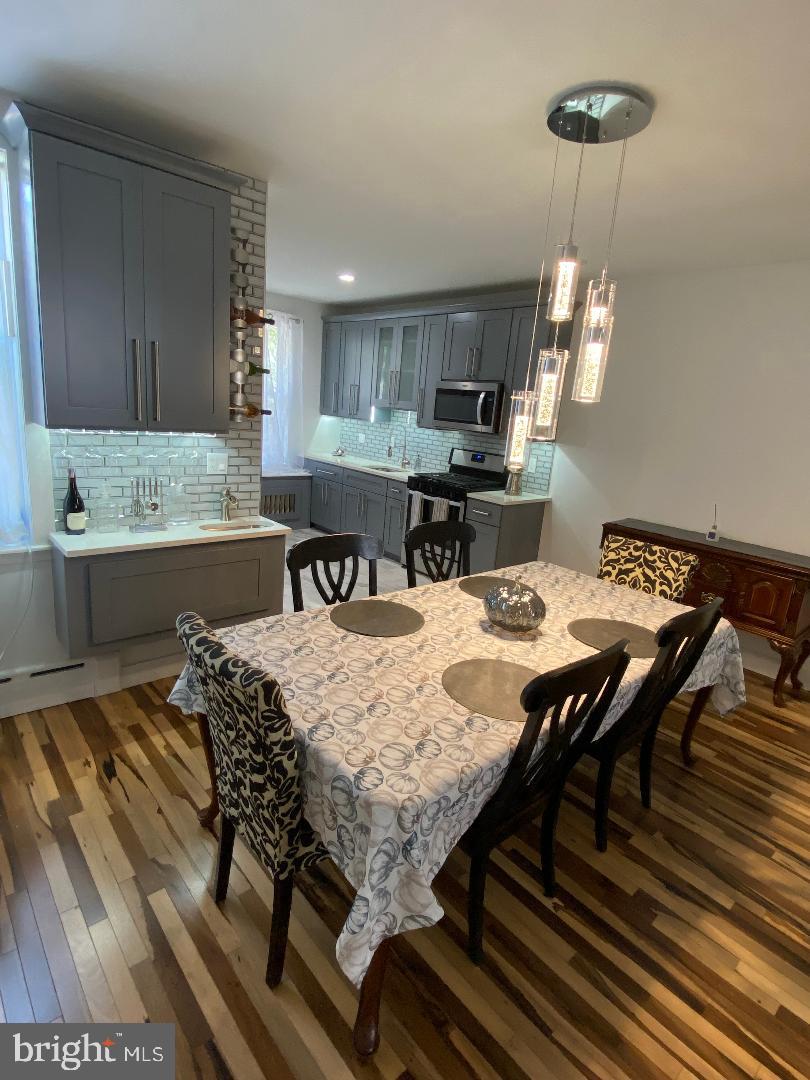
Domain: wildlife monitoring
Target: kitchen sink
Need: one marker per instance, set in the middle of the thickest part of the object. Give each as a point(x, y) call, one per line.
point(229, 526)
point(387, 468)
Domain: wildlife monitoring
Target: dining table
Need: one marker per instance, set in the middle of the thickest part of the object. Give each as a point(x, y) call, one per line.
point(394, 770)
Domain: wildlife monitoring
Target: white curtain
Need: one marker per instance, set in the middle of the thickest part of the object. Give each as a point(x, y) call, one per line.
point(15, 511)
point(282, 393)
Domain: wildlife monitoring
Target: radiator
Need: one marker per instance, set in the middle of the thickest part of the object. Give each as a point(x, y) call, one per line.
point(279, 504)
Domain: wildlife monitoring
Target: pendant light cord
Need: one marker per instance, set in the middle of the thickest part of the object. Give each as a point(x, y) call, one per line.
point(579, 171)
point(618, 190)
point(543, 256)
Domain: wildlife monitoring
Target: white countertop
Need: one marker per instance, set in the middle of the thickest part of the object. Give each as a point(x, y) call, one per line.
point(503, 499)
point(98, 543)
point(368, 466)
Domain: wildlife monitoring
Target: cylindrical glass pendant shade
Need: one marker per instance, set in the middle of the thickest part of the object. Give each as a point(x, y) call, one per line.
point(520, 421)
point(548, 390)
point(597, 326)
point(563, 283)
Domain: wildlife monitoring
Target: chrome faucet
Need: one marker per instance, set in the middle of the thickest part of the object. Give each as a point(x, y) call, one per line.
point(227, 501)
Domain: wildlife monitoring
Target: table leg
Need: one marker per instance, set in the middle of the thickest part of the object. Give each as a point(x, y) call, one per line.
point(804, 652)
point(366, 1035)
point(698, 705)
point(787, 654)
point(208, 814)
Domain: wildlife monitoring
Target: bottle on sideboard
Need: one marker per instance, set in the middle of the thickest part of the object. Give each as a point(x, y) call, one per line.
point(73, 507)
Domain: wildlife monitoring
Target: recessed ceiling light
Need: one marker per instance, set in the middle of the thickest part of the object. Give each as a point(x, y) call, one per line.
point(347, 276)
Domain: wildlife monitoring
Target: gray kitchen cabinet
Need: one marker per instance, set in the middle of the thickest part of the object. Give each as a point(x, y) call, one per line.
point(186, 253)
point(102, 602)
point(356, 369)
point(325, 508)
point(363, 512)
point(351, 518)
point(432, 359)
point(395, 511)
point(88, 220)
point(133, 276)
point(477, 345)
point(521, 340)
point(504, 535)
point(330, 368)
point(397, 362)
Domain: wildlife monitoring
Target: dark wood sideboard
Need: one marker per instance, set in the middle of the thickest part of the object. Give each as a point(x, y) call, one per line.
point(765, 591)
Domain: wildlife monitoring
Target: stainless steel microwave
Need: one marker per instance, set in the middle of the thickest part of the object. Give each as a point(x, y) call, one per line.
point(469, 406)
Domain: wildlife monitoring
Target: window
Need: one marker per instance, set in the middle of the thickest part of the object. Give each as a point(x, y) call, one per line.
point(15, 509)
point(282, 393)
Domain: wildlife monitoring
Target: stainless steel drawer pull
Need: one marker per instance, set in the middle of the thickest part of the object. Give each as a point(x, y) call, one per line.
point(325, 472)
point(156, 363)
point(136, 353)
point(483, 513)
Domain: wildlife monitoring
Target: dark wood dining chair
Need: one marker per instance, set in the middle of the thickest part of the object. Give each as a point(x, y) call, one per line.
point(444, 547)
point(681, 642)
point(320, 552)
point(257, 777)
point(565, 706)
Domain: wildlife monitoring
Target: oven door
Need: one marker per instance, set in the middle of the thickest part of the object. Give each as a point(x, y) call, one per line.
point(468, 406)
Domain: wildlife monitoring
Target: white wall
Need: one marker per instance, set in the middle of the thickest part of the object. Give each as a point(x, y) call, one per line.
point(706, 400)
point(310, 314)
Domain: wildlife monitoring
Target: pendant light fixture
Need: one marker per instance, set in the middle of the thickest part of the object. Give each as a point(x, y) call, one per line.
point(599, 114)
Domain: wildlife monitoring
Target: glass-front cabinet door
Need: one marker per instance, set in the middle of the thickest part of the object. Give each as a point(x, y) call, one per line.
point(409, 359)
point(385, 333)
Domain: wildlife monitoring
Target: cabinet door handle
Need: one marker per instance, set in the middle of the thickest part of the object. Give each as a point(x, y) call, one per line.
point(476, 360)
point(334, 396)
point(467, 363)
point(356, 398)
point(483, 513)
point(156, 367)
point(325, 493)
point(136, 356)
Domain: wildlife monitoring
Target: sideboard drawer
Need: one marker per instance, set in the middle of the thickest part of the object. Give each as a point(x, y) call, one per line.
point(763, 598)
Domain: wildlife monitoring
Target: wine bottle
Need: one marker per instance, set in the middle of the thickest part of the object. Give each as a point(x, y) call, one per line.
point(250, 411)
point(73, 507)
point(249, 368)
point(251, 317)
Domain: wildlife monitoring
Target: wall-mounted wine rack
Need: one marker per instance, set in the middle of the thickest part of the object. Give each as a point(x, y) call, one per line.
point(245, 322)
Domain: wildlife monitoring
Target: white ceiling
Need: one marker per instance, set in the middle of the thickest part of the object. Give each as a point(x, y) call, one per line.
point(407, 141)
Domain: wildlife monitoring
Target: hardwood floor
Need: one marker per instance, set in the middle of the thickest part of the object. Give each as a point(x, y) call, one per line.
point(682, 951)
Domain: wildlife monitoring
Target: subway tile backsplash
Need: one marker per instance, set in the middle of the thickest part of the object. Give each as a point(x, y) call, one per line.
point(116, 456)
point(433, 447)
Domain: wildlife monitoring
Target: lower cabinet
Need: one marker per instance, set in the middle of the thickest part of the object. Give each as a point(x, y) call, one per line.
point(363, 512)
point(325, 506)
point(394, 528)
point(504, 535)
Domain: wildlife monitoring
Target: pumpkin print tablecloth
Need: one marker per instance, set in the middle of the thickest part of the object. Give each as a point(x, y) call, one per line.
point(394, 770)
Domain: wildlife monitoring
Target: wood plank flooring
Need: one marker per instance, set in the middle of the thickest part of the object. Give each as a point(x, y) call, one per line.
point(680, 952)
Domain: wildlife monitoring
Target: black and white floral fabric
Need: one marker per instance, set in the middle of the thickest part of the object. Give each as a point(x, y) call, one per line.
point(395, 770)
point(648, 567)
point(256, 755)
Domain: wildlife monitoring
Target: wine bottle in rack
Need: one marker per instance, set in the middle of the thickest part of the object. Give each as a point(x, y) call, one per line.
point(250, 411)
point(250, 317)
point(73, 507)
point(247, 367)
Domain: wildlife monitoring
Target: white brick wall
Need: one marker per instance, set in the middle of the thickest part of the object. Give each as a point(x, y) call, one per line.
point(433, 447)
point(117, 456)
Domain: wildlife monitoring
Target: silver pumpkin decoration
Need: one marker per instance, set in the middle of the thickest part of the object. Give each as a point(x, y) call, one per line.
point(515, 607)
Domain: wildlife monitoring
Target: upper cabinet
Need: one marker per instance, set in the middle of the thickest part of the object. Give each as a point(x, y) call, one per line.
point(346, 368)
point(186, 254)
point(133, 268)
point(397, 362)
point(476, 346)
point(89, 212)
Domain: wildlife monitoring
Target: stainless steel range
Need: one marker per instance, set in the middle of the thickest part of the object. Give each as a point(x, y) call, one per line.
point(438, 496)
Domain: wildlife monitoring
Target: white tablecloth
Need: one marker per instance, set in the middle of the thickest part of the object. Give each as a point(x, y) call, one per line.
point(394, 770)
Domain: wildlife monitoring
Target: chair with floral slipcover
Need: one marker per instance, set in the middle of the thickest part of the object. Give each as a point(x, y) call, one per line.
point(258, 779)
point(647, 567)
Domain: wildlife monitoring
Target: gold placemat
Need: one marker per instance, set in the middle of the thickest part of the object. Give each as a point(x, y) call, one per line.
point(491, 687)
point(377, 618)
point(602, 633)
point(481, 584)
